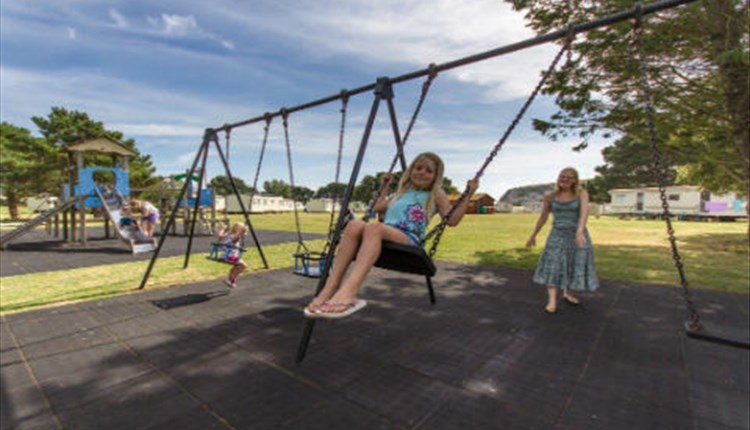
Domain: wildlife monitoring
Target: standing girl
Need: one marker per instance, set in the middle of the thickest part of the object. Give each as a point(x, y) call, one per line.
point(231, 247)
point(567, 261)
point(407, 213)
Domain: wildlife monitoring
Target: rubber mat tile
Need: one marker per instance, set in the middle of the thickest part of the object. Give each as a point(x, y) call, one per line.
point(334, 414)
point(22, 405)
point(249, 395)
point(726, 407)
point(590, 408)
point(405, 396)
point(447, 364)
point(666, 386)
point(145, 403)
point(475, 412)
point(76, 376)
point(334, 371)
point(174, 348)
point(61, 333)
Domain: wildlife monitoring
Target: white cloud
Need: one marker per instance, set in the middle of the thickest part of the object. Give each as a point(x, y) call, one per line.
point(176, 25)
point(228, 44)
point(72, 33)
point(414, 34)
point(118, 18)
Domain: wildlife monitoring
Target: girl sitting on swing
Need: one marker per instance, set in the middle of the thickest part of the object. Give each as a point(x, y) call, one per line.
point(230, 242)
point(407, 213)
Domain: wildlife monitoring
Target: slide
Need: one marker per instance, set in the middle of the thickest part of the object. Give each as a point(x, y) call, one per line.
point(129, 232)
point(31, 224)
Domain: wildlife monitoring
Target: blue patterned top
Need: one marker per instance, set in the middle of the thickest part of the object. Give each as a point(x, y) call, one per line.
point(566, 213)
point(408, 214)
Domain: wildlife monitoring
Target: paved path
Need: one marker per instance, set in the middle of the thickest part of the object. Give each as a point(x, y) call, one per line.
point(37, 251)
point(484, 357)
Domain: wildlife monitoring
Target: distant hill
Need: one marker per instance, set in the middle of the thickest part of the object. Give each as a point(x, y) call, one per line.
point(519, 196)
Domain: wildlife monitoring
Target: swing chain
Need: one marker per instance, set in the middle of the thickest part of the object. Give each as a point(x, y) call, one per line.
point(227, 136)
point(268, 118)
point(342, 132)
point(285, 117)
point(659, 168)
point(437, 232)
point(431, 75)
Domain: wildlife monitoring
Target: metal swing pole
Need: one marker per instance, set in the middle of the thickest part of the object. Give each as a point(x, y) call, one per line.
point(394, 126)
point(382, 90)
point(239, 199)
point(175, 208)
point(196, 205)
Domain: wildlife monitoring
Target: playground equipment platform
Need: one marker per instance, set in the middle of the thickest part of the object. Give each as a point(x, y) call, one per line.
point(485, 356)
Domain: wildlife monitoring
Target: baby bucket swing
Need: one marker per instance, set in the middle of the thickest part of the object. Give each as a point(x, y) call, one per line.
point(309, 263)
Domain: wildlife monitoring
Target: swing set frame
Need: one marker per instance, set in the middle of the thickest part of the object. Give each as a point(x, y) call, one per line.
point(382, 90)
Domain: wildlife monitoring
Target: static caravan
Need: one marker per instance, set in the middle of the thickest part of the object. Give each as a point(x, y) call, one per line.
point(685, 201)
point(322, 205)
point(261, 204)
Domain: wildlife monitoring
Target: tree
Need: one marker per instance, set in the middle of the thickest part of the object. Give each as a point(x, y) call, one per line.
point(331, 190)
point(698, 79)
point(277, 187)
point(302, 194)
point(222, 186)
point(62, 128)
point(25, 165)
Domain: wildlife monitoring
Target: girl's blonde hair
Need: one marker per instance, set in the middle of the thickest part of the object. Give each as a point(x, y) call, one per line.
point(575, 188)
point(239, 226)
point(405, 183)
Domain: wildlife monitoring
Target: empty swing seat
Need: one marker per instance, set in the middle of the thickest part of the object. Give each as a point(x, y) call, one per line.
point(310, 264)
point(221, 252)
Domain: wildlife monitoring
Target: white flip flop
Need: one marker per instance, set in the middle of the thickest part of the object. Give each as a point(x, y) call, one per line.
point(350, 309)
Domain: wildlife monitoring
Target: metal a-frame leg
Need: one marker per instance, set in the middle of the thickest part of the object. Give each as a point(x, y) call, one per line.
point(430, 289)
point(382, 90)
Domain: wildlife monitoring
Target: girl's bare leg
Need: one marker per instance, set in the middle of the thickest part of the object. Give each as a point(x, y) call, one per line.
point(551, 300)
point(347, 249)
point(369, 251)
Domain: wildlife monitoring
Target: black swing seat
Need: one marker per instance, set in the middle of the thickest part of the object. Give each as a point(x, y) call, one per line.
point(730, 336)
point(219, 251)
point(406, 258)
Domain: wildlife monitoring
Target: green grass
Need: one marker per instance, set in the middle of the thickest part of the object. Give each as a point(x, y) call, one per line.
point(715, 256)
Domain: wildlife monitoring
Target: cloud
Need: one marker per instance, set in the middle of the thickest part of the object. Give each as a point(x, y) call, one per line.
point(72, 33)
point(176, 25)
point(412, 34)
point(117, 17)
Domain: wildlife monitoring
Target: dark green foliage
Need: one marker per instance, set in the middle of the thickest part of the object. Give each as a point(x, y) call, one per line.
point(698, 62)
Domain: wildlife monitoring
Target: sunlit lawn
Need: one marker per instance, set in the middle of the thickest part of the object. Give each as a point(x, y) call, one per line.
point(715, 256)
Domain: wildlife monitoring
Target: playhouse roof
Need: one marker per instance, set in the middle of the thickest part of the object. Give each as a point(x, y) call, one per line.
point(103, 144)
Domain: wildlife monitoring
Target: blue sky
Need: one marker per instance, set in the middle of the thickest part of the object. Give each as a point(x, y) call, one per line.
point(162, 72)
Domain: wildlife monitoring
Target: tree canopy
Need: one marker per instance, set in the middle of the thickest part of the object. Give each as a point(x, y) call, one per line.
point(24, 165)
point(223, 186)
point(697, 68)
point(62, 128)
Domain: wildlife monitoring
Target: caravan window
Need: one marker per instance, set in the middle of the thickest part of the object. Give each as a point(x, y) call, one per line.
point(673, 197)
point(619, 198)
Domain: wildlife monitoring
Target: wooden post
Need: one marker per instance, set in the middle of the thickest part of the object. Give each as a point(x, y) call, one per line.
point(82, 201)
